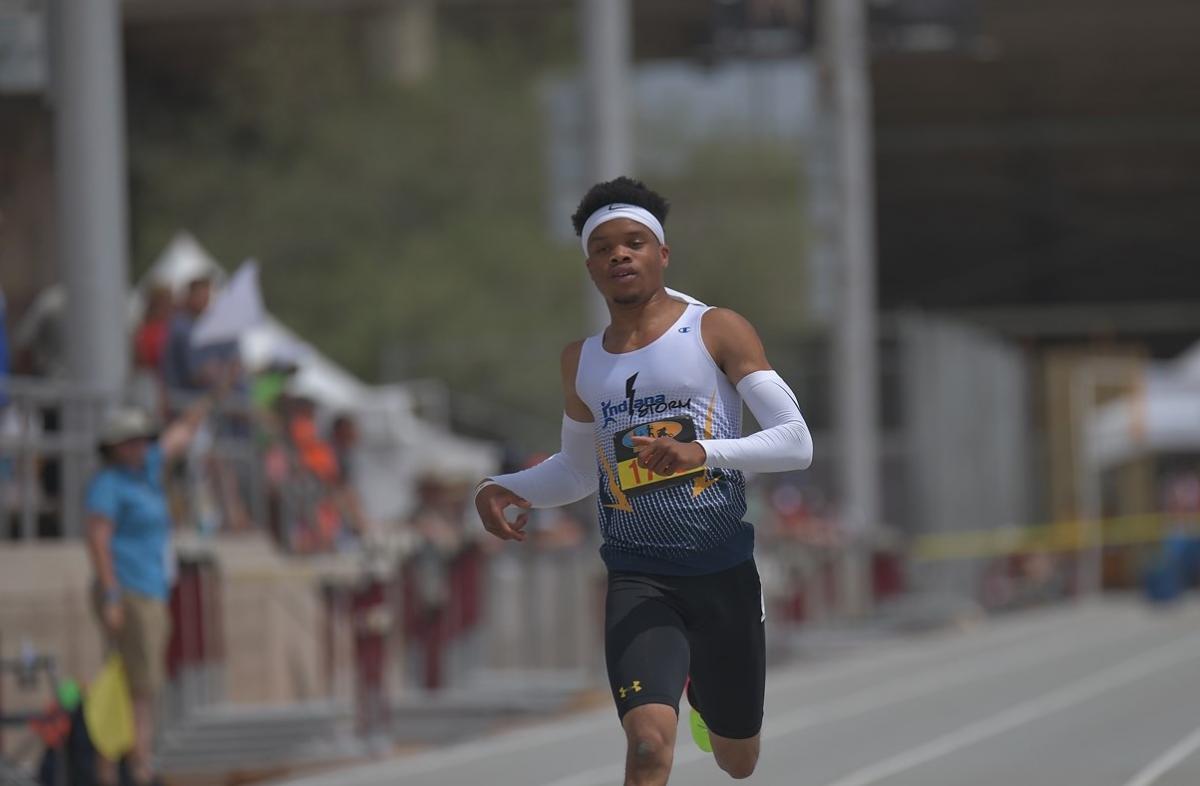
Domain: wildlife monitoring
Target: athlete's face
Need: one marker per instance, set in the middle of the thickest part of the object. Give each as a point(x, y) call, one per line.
point(626, 261)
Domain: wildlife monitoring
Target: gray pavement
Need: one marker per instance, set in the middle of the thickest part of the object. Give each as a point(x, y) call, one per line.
point(1085, 695)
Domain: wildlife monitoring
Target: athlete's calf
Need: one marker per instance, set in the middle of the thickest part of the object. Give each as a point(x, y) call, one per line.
point(736, 757)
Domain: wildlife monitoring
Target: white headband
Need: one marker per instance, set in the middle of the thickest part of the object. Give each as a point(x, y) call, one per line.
point(621, 210)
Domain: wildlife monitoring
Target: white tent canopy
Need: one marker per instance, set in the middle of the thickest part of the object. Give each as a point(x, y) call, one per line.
point(1162, 417)
point(317, 377)
point(183, 260)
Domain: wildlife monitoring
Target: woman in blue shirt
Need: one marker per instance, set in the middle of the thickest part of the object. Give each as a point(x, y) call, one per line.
point(128, 535)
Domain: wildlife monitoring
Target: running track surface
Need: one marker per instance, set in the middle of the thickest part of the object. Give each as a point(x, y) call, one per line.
point(1102, 694)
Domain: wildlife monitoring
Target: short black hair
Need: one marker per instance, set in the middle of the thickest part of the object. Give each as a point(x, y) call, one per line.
point(622, 189)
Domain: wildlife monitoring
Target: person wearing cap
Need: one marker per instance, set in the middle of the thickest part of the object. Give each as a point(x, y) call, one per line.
point(128, 537)
point(652, 424)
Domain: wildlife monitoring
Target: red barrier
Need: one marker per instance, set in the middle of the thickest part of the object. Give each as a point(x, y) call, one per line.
point(435, 628)
point(195, 608)
point(372, 622)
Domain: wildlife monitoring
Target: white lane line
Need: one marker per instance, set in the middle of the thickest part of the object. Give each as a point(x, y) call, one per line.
point(389, 771)
point(957, 645)
point(874, 697)
point(582, 726)
point(1168, 761)
point(1138, 667)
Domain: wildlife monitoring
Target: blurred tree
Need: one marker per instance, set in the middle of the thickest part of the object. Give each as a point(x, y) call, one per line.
point(389, 220)
point(400, 228)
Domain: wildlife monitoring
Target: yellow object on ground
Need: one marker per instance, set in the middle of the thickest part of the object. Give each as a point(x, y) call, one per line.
point(108, 711)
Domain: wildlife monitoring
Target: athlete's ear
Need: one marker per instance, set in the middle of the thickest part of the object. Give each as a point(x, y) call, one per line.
point(664, 253)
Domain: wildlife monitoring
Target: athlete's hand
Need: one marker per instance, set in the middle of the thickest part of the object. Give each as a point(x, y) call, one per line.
point(491, 502)
point(666, 456)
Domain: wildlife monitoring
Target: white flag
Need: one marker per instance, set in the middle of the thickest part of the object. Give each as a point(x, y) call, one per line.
point(238, 308)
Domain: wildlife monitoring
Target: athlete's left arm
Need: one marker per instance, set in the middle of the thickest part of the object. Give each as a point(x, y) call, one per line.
point(783, 444)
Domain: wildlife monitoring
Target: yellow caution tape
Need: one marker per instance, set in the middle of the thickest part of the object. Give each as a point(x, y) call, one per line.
point(1059, 537)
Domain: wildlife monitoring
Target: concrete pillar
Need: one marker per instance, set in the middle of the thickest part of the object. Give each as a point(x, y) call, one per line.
point(89, 137)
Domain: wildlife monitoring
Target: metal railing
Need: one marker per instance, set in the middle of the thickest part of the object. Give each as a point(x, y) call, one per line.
point(47, 450)
point(48, 453)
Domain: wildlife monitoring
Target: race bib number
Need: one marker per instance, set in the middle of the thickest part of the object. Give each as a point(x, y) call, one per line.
point(632, 477)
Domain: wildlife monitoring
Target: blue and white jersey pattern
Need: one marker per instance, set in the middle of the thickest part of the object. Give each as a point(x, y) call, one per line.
point(684, 523)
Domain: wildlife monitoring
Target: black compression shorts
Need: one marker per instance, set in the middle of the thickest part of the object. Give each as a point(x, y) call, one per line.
point(660, 629)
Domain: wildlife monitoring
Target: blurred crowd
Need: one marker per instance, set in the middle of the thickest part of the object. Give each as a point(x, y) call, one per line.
point(264, 457)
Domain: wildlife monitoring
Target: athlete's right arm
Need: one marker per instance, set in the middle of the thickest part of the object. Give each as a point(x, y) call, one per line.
point(565, 477)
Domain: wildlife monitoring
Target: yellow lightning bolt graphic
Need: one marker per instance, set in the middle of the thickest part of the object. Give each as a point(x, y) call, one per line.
point(704, 481)
point(622, 501)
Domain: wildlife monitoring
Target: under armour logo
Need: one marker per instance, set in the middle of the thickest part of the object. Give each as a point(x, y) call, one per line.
point(636, 688)
point(685, 329)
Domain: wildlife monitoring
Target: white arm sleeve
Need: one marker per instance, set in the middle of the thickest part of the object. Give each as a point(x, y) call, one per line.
point(567, 476)
point(783, 444)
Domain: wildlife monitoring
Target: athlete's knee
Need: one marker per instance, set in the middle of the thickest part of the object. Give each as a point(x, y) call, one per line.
point(649, 749)
point(650, 736)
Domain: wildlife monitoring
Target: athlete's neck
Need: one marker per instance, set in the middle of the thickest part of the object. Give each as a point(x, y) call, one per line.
point(634, 325)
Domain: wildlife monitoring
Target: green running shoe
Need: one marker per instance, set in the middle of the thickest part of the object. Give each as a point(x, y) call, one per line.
point(700, 732)
point(695, 722)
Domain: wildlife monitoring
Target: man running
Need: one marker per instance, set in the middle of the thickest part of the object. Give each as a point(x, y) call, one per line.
point(653, 405)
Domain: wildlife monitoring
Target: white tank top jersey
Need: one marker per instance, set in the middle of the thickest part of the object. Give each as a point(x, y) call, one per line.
point(683, 524)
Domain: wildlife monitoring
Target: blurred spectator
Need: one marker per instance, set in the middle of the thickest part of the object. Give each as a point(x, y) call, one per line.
point(269, 384)
point(802, 516)
point(149, 344)
point(150, 339)
point(194, 369)
point(128, 537)
point(438, 518)
point(3, 353)
point(343, 436)
point(555, 528)
point(1181, 501)
point(437, 523)
point(180, 367)
point(37, 343)
point(271, 404)
point(316, 455)
point(316, 520)
point(6, 467)
point(188, 371)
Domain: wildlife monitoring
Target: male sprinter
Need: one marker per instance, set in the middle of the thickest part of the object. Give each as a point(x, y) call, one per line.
point(654, 404)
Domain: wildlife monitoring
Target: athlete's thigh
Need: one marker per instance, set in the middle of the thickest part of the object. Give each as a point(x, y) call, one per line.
point(728, 649)
point(645, 643)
